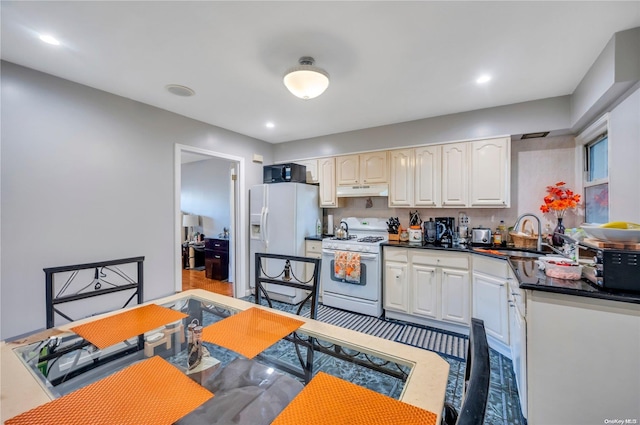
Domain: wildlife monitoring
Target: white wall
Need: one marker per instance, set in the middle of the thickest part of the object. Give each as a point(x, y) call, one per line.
point(206, 192)
point(88, 176)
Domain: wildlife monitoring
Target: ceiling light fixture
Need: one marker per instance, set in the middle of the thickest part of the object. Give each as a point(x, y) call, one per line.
point(49, 39)
point(270, 124)
point(305, 80)
point(483, 79)
point(179, 90)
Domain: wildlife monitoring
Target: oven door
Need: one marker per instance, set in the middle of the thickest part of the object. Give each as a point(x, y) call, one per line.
point(368, 288)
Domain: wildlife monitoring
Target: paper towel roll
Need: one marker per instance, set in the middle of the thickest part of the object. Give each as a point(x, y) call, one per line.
point(330, 224)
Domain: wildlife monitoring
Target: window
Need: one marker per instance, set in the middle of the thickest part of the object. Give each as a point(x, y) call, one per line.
point(596, 184)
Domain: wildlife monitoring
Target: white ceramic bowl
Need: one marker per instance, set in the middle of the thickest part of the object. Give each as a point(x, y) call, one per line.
point(611, 234)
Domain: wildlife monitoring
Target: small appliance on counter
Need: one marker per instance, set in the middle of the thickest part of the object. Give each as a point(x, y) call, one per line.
point(429, 231)
point(481, 236)
point(445, 226)
point(614, 269)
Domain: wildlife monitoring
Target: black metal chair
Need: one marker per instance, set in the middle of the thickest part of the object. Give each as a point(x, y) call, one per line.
point(287, 277)
point(476, 381)
point(282, 264)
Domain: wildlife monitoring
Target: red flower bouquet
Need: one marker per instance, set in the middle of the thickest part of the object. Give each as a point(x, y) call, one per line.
point(559, 199)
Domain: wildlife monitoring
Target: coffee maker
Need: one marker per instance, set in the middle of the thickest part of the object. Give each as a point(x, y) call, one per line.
point(445, 226)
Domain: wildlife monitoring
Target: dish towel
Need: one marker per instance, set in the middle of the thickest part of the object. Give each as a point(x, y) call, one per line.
point(347, 266)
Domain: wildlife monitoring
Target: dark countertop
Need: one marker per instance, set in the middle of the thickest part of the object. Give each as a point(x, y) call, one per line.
point(529, 277)
point(316, 238)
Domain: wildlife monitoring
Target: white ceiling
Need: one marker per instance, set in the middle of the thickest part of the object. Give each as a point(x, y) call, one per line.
point(389, 61)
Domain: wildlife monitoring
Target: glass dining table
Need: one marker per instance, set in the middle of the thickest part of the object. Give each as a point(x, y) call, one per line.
point(214, 359)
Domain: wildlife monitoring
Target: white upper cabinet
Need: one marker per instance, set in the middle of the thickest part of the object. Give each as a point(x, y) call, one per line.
point(327, 180)
point(401, 178)
point(312, 170)
point(489, 185)
point(348, 170)
point(361, 169)
point(455, 175)
point(427, 176)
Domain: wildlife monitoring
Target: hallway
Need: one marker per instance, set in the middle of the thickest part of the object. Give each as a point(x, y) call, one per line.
point(195, 279)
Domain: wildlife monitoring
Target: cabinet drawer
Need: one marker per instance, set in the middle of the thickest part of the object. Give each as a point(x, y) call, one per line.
point(221, 245)
point(441, 259)
point(395, 254)
point(491, 266)
point(313, 247)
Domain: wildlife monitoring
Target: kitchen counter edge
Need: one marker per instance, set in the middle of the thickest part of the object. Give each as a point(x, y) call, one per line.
point(541, 282)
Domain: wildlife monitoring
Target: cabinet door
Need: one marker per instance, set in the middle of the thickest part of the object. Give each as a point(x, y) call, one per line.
point(401, 178)
point(455, 175)
point(373, 167)
point(490, 173)
point(427, 176)
point(312, 170)
point(348, 170)
point(395, 286)
point(424, 293)
point(327, 176)
point(490, 305)
point(313, 249)
point(455, 303)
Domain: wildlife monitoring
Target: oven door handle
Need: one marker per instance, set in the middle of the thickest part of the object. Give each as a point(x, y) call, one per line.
point(362, 255)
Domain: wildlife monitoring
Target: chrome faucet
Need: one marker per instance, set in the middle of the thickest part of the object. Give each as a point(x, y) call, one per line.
point(515, 227)
point(539, 244)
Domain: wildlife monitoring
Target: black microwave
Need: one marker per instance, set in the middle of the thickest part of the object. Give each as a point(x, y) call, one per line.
point(279, 173)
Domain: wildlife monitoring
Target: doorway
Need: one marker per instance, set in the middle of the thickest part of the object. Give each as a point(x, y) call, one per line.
point(237, 217)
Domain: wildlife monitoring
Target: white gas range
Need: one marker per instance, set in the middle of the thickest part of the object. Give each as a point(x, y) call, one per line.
point(351, 268)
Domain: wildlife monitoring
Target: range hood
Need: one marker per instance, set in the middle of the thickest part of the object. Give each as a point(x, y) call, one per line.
point(363, 190)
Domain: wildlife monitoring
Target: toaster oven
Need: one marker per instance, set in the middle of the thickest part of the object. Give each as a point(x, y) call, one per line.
point(614, 269)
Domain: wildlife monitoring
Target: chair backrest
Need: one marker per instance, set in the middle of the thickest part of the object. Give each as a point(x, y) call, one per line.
point(286, 277)
point(477, 374)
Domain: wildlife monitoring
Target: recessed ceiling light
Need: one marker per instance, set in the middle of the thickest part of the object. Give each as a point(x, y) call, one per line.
point(270, 124)
point(483, 79)
point(49, 39)
point(179, 90)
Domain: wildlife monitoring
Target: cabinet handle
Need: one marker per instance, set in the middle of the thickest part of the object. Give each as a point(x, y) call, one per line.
point(217, 256)
point(515, 294)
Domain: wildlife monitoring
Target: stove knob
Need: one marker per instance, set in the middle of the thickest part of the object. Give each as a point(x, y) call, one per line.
point(347, 247)
point(366, 249)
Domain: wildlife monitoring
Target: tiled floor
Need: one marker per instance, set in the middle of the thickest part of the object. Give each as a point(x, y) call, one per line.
point(504, 405)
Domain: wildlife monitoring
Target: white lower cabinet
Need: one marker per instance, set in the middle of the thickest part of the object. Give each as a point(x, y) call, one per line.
point(313, 249)
point(424, 286)
point(455, 297)
point(490, 303)
point(396, 287)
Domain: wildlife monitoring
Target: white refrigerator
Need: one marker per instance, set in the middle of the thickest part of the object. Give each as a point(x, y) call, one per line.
point(281, 216)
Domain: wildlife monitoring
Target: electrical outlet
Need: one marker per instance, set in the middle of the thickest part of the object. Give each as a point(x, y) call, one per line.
point(463, 219)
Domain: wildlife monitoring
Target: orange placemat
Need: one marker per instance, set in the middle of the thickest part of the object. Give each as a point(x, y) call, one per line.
point(105, 332)
point(251, 331)
point(150, 392)
point(330, 400)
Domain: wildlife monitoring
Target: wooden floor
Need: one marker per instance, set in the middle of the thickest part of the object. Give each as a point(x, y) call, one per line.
point(195, 279)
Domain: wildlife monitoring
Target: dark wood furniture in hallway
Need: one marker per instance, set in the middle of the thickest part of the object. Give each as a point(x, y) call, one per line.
point(196, 279)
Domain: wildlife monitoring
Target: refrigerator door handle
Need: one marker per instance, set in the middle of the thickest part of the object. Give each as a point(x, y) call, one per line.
point(265, 231)
point(262, 225)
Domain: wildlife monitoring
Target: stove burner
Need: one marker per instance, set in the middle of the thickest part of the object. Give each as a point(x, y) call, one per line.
point(338, 239)
point(371, 239)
